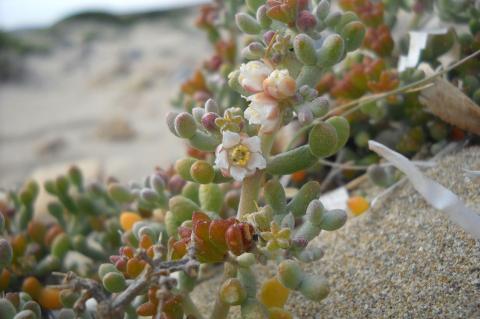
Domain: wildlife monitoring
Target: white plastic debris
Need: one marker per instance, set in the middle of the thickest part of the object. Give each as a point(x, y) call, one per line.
point(336, 199)
point(435, 194)
point(418, 43)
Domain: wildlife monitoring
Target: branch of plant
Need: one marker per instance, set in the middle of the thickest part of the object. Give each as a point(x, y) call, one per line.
point(354, 105)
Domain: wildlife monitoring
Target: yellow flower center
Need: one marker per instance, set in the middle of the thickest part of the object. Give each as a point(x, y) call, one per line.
point(239, 155)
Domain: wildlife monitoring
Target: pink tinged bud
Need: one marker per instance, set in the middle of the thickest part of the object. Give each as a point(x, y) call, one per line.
point(208, 121)
point(306, 21)
point(197, 113)
point(175, 184)
point(280, 85)
point(305, 115)
point(268, 36)
point(201, 96)
point(211, 106)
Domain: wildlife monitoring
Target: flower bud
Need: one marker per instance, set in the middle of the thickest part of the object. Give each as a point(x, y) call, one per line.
point(347, 17)
point(353, 33)
point(332, 19)
point(48, 264)
point(323, 9)
point(239, 238)
point(247, 23)
point(315, 212)
point(67, 314)
point(314, 287)
point(75, 176)
point(304, 196)
point(304, 48)
point(232, 292)
point(290, 274)
point(381, 176)
point(253, 5)
point(342, 127)
point(204, 142)
point(183, 166)
point(211, 106)
point(246, 260)
point(114, 282)
point(185, 125)
point(149, 195)
point(232, 199)
point(170, 119)
point(268, 36)
point(322, 140)
point(202, 172)
point(273, 294)
point(190, 191)
point(106, 268)
point(120, 193)
point(331, 52)
point(291, 161)
point(263, 18)
point(210, 197)
point(197, 113)
point(2, 222)
point(357, 205)
point(158, 183)
point(319, 106)
point(33, 307)
point(280, 84)
point(306, 21)
point(7, 309)
point(175, 184)
point(279, 313)
point(253, 51)
point(6, 253)
point(25, 314)
point(60, 246)
point(305, 115)
point(208, 121)
point(333, 219)
point(275, 196)
point(128, 219)
point(310, 254)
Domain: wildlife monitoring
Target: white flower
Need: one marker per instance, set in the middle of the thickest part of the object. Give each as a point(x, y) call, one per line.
point(264, 111)
point(280, 84)
point(239, 156)
point(252, 75)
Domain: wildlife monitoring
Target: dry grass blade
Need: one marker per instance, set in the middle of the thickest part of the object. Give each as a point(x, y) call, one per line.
point(452, 105)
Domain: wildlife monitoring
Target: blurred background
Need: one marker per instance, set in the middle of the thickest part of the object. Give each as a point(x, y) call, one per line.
point(89, 82)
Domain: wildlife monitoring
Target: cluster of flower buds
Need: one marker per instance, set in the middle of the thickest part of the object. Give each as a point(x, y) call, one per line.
point(212, 239)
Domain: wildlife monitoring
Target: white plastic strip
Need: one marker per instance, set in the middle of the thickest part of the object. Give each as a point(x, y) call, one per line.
point(435, 194)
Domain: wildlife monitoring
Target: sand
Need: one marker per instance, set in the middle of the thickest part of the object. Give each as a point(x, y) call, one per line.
point(101, 94)
point(402, 259)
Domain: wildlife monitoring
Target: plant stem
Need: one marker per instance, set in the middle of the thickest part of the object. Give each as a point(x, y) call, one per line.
point(249, 194)
point(221, 309)
point(251, 184)
point(190, 308)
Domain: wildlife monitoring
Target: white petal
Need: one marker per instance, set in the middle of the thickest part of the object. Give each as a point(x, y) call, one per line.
point(221, 159)
point(238, 173)
point(252, 116)
point(230, 139)
point(257, 161)
point(253, 143)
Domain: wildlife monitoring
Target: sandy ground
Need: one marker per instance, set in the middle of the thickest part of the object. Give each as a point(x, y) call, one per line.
point(102, 100)
point(402, 259)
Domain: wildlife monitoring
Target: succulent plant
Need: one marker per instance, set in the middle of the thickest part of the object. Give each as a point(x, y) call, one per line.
point(140, 249)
